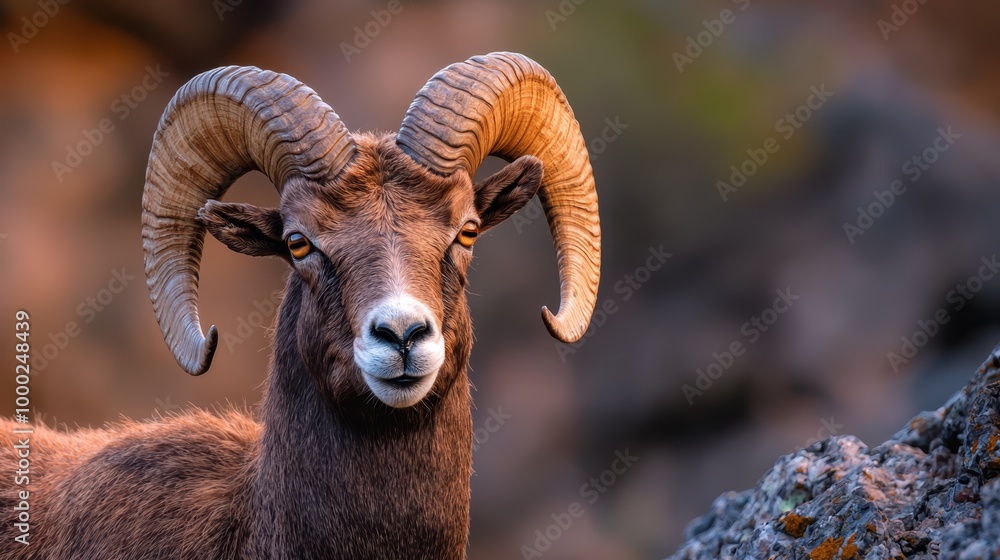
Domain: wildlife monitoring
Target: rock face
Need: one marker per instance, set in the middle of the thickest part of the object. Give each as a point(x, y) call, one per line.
point(931, 492)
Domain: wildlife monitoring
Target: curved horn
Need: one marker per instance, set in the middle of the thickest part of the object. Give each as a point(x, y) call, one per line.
point(507, 105)
point(220, 125)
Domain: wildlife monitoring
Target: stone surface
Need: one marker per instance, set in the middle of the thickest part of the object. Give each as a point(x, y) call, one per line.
point(932, 491)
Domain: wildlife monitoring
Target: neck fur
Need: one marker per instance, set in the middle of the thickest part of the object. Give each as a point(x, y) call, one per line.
point(359, 479)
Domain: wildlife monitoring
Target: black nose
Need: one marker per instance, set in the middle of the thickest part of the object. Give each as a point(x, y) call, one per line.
point(404, 341)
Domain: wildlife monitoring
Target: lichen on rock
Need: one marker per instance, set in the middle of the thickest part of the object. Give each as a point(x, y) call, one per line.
point(932, 491)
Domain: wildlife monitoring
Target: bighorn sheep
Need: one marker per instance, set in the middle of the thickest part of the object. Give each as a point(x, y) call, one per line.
point(363, 446)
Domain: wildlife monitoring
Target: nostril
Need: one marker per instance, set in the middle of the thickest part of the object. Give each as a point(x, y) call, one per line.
point(413, 333)
point(384, 332)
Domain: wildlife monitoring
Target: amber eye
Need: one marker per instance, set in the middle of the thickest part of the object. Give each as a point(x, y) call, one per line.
point(299, 246)
point(468, 235)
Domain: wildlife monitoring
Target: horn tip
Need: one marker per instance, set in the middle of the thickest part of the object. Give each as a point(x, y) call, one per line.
point(559, 329)
point(202, 360)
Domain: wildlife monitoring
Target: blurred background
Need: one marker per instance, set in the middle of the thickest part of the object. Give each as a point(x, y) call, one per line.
point(681, 103)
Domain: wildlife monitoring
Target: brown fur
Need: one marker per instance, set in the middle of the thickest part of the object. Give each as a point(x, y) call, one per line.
point(327, 471)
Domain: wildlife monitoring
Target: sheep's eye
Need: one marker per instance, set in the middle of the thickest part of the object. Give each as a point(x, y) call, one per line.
point(468, 235)
point(299, 246)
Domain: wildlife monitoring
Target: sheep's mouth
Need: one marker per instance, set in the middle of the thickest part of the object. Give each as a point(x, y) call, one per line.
point(403, 380)
point(400, 391)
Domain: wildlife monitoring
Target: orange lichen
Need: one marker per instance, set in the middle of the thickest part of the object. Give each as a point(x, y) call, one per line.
point(850, 549)
point(871, 527)
point(795, 525)
point(827, 550)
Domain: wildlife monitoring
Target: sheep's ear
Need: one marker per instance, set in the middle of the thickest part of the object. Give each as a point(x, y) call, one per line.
point(245, 228)
point(506, 191)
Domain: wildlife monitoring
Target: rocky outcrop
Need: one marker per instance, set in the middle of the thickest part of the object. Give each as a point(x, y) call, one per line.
point(932, 491)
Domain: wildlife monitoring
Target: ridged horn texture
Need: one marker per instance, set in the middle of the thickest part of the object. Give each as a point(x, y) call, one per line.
point(220, 125)
point(507, 105)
